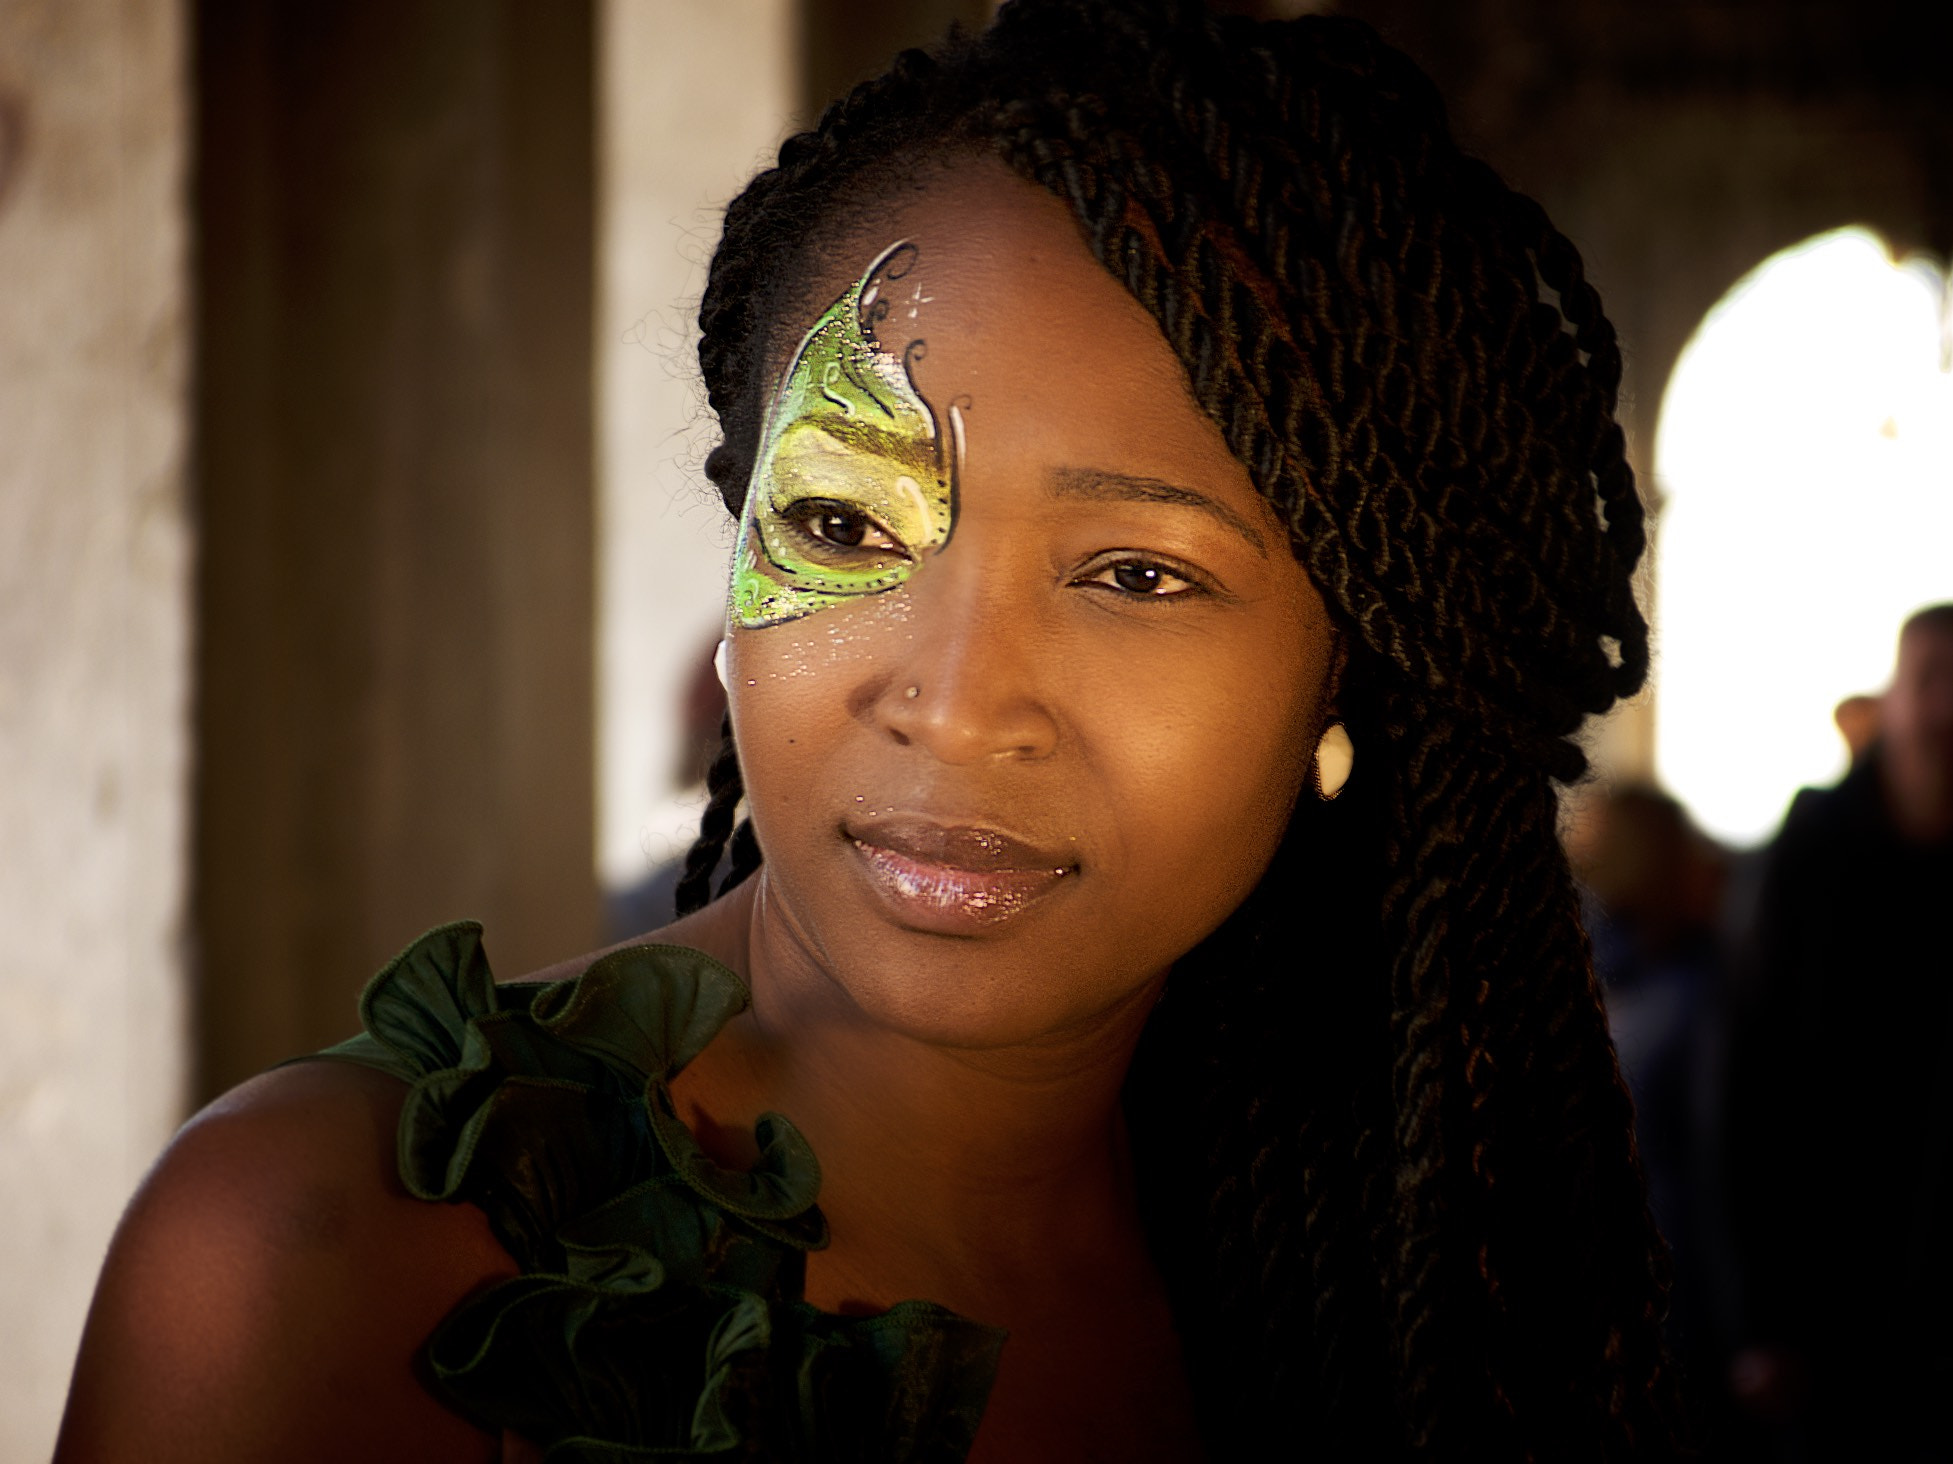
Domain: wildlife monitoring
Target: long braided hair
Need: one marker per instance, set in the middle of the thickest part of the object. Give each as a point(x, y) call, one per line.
point(1384, 1152)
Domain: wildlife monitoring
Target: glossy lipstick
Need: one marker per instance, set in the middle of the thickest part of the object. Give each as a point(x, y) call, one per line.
point(954, 878)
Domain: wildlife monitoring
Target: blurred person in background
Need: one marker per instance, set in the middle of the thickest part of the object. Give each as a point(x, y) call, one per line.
point(1840, 1101)
point(1857, 721)
point(1652, 888)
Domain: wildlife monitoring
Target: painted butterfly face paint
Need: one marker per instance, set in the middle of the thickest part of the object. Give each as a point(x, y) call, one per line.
point(854, 483)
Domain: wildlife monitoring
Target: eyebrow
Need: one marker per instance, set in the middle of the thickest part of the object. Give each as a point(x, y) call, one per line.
point(904, 450)
point(1104, 486)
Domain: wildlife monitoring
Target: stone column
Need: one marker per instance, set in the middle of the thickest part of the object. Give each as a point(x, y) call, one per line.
point(395, 713)
point(94, 656)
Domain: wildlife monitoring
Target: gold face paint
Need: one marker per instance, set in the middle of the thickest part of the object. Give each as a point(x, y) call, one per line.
point(853, 483)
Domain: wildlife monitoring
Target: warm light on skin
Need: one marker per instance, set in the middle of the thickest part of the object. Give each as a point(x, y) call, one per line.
point(1806, 462)
point(1116, 661)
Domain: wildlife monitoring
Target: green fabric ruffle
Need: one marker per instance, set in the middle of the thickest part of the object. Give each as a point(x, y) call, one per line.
point(659, 1313)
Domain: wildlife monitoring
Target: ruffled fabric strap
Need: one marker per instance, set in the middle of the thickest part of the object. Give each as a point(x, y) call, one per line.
point(670, 1002)
point(659, 1314)
point(716, 1374)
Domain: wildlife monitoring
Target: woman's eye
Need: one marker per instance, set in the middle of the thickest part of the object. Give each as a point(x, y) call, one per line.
point(1143, 577)
point(840, 527)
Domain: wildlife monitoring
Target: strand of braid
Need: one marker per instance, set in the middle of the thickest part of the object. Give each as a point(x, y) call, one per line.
point(1417, 1221)
point(723, 790)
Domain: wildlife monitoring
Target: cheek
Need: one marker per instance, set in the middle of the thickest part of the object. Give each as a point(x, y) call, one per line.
point(1179, 761)
point(790, 689)
point(1207, 775)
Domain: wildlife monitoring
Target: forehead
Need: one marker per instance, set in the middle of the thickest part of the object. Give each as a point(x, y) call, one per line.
point(1009, 302)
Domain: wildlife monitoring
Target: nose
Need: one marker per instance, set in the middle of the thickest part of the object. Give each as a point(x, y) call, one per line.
point(972, 682)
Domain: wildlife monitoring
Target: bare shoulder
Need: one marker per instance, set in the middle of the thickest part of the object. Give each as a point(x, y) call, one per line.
point(270, 1286)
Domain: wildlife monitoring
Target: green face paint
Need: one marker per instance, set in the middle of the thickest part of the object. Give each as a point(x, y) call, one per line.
point(853, 483)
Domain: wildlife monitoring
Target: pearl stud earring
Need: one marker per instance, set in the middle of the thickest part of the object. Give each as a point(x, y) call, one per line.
point(1335, 756)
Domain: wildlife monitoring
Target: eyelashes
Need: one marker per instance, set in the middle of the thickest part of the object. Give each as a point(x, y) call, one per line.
point(844, 536)
point(1145, 578)
point(841, 533)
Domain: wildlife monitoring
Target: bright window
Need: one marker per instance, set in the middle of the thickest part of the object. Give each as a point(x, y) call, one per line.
point(1805, 456)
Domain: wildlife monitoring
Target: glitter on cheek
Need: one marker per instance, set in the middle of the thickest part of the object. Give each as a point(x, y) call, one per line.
point(821, 646)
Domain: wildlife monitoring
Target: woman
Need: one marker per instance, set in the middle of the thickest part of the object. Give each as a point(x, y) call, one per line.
point(1126, 412)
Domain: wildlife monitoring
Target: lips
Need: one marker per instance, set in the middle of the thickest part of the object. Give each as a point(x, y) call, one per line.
point(955, 878)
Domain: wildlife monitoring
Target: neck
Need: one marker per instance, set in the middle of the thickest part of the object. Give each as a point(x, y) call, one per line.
point(935, 1158)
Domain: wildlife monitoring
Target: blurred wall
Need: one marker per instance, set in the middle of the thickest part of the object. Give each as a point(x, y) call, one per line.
point(394, 720)
point(844, 42)
point(94, 673)
point(694, 97)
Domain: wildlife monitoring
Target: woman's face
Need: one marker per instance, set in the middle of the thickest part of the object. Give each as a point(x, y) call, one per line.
point(1024, 676)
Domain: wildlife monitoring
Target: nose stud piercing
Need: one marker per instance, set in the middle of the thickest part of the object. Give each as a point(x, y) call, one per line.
point(1335, 756)
point(719, 663)
point(913, 692)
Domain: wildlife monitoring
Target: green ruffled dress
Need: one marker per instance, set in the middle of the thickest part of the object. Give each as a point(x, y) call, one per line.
point(659, 1313)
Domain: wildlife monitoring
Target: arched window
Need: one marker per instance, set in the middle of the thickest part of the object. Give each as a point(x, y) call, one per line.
point(1805, 459)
